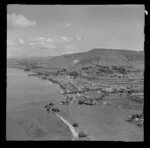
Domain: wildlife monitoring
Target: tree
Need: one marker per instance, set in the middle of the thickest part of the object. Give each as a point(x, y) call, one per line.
point(51, 104)
point(80, 102)
point(74, 74)
point(63, 70)
point(82, 134)
point(55, 110)
point(84, 68)
point(122, 70)
point(75, 124)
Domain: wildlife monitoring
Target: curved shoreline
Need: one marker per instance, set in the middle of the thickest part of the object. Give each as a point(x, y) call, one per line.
point(72, 129)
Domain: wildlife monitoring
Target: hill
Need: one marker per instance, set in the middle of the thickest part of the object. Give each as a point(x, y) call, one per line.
point(24, 61)
point(104, 57)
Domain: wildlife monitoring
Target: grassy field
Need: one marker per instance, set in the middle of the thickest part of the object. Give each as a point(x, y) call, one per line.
point(32, 122)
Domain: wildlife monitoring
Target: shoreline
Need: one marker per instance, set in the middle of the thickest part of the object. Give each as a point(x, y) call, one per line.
point(31, 121)
point(72, 129)
point(75, 131)
point(78, 113)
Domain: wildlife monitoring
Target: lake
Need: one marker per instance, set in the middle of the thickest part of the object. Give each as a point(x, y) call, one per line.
point(27, 118)
point(22, 89)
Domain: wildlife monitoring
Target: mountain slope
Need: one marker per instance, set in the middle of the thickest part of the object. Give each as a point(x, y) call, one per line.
point(105, 57)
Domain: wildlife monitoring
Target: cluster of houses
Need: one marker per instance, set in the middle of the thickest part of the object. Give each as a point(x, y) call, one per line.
point(89, 93)
point(137, 119)
point(79, 86)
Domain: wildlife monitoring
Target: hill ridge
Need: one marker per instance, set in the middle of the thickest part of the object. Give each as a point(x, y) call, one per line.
point(100, 56)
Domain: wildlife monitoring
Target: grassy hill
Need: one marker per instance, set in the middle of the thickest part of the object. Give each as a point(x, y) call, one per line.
point(104, 57)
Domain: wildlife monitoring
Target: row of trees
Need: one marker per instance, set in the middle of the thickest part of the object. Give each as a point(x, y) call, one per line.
point(73, 74)
point(120, 69)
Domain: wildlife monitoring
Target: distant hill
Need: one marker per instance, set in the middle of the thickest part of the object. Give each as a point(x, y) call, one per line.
point(25, 60)
point(105, 57)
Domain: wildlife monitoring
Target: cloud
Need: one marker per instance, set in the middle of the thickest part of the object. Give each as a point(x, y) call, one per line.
point(37, 39)
point(61, 39)
point(21, 41)
point(31, 43)
point(66, 38)
point(48, 42)
point(78, 37)
point(41, 38)
point(11, 43)
point(67, 25)
point(41, 42)
point(51, 40)
point(56, 39)
point(19, 20)
point(41, 45)
point(47, 45)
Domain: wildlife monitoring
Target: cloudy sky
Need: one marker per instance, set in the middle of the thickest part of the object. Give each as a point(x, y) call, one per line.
point(51, 30)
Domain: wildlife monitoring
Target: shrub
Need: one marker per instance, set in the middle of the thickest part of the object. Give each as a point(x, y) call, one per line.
point(51, 104)
point(63, 70)
point(82, 134)
point(46, 106)
point(130, 119)
point(85, 68)
point(120, 69)
point(74, 73)
point(80, 102)
point(55, 110)
point(48, 110)
point(75, 124)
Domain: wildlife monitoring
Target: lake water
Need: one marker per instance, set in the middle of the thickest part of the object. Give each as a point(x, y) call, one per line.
point(22, 89)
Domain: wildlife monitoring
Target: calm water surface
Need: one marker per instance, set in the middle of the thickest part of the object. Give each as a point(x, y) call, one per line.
point(22, 89)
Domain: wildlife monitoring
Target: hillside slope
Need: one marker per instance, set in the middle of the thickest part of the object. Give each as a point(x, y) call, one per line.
point(105, 57)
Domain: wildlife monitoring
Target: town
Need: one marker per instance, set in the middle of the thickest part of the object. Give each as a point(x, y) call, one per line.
point(81, 90)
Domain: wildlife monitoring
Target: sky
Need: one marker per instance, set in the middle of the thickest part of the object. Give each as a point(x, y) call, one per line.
point(53, 30)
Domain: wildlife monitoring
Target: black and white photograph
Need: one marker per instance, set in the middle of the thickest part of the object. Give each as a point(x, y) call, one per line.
point(75, 72)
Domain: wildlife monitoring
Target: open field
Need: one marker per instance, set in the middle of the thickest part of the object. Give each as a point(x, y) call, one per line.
point(102, 122)
point(106, 123)
point(32, 122)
